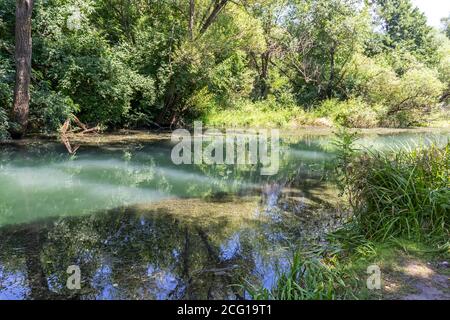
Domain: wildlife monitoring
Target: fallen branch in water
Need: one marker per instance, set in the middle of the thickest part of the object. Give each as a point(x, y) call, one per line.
point(65, 129)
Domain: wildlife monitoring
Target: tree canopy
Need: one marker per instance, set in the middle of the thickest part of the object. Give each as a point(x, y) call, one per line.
point(153, 63)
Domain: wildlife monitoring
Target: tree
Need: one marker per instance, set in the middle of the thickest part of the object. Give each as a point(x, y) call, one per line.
point(446, 25)
point(23, 51)
point(405, 27)
point(270, 13)
point(322, 37)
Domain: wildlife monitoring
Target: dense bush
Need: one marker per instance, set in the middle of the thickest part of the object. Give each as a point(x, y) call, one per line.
point(50, 109)
point(402, 194)
point(6, 65)
point(84, 69)
point(399, 100)
point(353, 113)
point(5, 97)
point(418, 91)
point(443, 66)
point(140, 64)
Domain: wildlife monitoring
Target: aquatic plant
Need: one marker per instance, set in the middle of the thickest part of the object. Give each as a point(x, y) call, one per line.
point(307, 278)
point(345, 150)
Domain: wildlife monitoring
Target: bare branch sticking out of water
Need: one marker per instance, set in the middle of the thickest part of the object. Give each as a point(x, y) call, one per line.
point(66, 128)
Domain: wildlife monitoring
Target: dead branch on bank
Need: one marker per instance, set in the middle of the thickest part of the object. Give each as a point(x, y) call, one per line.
point(81, 128)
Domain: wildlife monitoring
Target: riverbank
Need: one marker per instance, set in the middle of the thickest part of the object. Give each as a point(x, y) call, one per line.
point(125, 136)
point(396, 243)
point(409, 270)
point(330, 114)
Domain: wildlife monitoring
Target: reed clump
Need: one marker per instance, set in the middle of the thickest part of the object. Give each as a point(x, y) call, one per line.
point(402, 194)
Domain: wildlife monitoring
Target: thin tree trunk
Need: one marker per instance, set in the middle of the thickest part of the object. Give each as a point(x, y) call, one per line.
point(213, 15)
point(191, 18)
point(264, 88)
point(330, 87)
point(23, 51)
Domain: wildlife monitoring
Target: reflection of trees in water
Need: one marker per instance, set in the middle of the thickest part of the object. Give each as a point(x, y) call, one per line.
point(158, 253)
point(127, 256)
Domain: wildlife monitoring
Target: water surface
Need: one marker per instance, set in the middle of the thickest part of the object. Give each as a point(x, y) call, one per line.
point(140, 227)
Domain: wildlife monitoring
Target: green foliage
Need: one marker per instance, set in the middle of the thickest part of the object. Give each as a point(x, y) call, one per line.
point(443, 66)
point(5, 96)
point(403, 194)
point(84, 69)
point(405, 27)
point(231, 80)
point(322, 38)
point(308, 278)
point(50, 109)
point(352, 113)
point(139, 64)
point(418, 91)
point(388, 99)
point(3, 124)
point(6, 65)
point(446, 26)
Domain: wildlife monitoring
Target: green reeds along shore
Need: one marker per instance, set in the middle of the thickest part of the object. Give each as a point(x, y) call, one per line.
point(400, 203)
point(405, 194)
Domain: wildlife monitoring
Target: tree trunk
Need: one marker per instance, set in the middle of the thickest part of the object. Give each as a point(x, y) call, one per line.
point(263, 78)
point(213, 15)
point(191, 18)
point(23, 50)
point(330, 87)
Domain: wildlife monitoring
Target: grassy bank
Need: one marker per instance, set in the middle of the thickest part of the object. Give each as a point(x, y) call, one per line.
point(400, 223)
point(342, 272)
point(329, 113)
point(260, 114)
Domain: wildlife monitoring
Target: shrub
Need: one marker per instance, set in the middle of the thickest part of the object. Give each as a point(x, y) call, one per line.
point(444, 66)
point(231, 80)
point(403, 194)
point(81, 65)
point(398, 100)
point(6, 82)
point(6, 90)
point(372, 79)
point(418, 92)
point(49, 109)
point(351, 113)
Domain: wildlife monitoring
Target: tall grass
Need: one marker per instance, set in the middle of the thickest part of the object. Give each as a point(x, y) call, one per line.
point(405, 194)
point(258, 114)
point(307, 278)
point(395, 196)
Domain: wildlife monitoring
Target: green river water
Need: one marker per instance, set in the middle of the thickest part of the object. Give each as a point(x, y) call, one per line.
point(140, 227)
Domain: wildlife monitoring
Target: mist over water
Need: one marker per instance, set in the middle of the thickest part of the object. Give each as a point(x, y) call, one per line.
point(141, 227)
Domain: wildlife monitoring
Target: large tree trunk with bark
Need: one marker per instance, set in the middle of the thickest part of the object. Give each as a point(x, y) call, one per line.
point(23, 51)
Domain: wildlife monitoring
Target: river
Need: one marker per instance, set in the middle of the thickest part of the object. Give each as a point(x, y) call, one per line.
point(140, 227)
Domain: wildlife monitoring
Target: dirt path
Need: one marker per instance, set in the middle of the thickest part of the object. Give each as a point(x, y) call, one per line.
point(429, 282)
